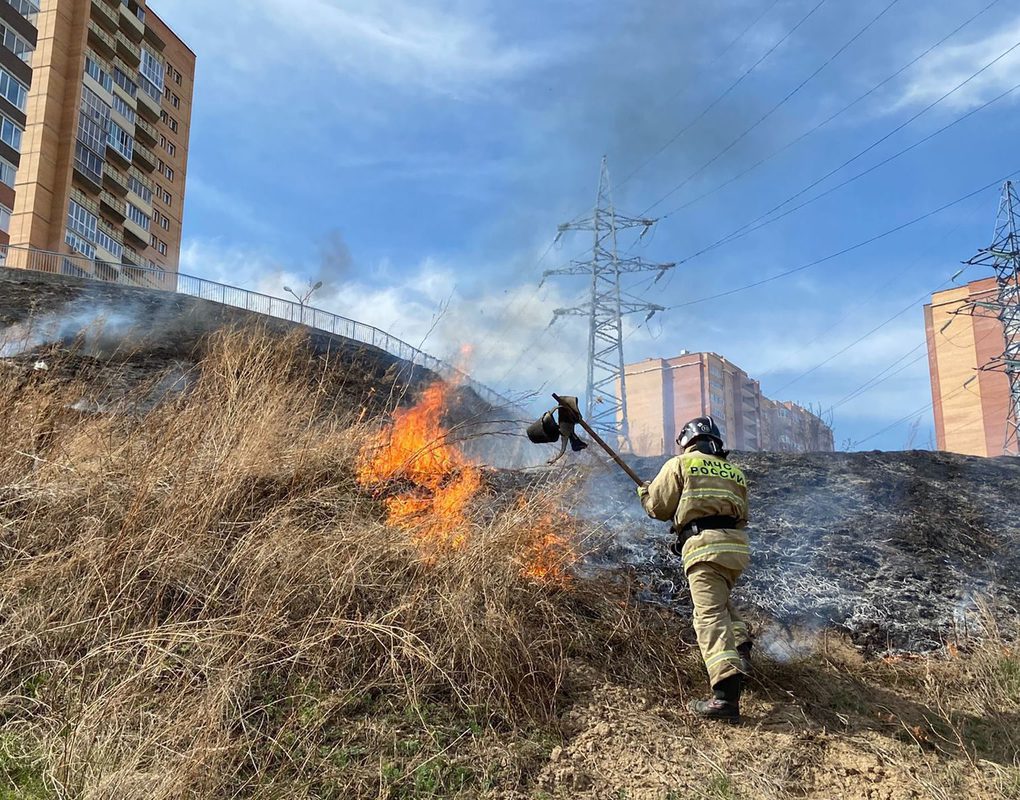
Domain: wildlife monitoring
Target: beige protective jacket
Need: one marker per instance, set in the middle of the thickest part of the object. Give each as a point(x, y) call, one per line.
point(696, 485)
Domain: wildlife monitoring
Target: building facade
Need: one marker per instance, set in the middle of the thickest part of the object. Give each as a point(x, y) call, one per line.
point(18, 20)
point(663, 394)
point(970, 404)
point(105, 142)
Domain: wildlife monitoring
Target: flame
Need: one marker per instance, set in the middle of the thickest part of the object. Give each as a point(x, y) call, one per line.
point(428, 487)
point(547, 551)
point(435, 482)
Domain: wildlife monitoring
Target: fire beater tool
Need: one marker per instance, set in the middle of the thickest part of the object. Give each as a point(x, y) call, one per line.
point(558, 425)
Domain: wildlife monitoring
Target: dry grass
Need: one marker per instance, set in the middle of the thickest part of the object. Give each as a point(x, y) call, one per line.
point(199, 602)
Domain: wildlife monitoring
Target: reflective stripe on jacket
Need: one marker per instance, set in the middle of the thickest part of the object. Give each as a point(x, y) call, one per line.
point(695, 485)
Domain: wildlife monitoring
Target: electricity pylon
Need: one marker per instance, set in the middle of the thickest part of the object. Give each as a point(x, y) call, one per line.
point(1003, 257)
point(606, 391)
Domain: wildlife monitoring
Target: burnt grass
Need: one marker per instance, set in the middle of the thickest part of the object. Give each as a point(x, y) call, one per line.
point(899, 550)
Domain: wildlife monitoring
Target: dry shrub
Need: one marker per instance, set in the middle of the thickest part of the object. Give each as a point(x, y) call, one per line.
point(199, 601)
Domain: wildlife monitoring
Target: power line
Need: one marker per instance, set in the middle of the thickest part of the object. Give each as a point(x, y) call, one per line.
point(751, 227)
point(864, 388)
point(764, 220)
point(844, 251)
point(869, 148)
point(789, 96)
point(833, 117)
point(729, 90)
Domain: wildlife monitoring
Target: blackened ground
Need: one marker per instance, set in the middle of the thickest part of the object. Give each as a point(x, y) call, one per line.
point(899, 550)
point(119, 339)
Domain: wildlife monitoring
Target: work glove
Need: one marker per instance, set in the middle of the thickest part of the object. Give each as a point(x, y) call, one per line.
point(642, 490)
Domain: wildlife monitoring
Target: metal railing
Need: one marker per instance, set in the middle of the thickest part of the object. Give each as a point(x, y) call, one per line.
point(152, 277)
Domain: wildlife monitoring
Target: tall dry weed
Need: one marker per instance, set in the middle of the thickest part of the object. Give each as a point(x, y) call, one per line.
point(198, 600)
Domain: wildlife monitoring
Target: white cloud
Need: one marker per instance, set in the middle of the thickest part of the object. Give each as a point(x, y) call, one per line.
point(434, 45)
point(951, 65)
point(425, 309)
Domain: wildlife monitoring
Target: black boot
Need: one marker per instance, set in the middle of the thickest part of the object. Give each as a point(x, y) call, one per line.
point(745, 659)
point(725, 705)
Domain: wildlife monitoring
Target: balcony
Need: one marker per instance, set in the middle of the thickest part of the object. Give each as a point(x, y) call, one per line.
point(115, 180)
point(136, 232)
point(114, 154)
point(89, 179)
point(148, 106)
point(128, 50)
point(153, 40)
point(28, 9)
point(130, 24)
point(101, 41)
point(145, 158)
point(145, 132)
point(114, 205)
point(106, 15)
point(86, 202)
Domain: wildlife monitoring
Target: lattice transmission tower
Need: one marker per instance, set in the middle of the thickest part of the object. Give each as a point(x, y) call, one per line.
point(1003, 257)
point(607, 304)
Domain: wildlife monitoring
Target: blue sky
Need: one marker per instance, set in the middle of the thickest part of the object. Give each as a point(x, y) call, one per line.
point(417, 156)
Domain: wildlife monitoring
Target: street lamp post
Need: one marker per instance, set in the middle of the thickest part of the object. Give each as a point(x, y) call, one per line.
point(303, 300)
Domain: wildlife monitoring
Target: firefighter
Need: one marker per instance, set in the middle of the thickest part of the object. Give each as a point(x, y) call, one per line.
point(705, 497)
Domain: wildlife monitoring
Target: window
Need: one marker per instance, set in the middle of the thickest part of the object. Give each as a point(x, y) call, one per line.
point(81, 220)
point(168, 199)
point(122, 108)
point(124, 82)
point(169, 172)
point(10, 134)
point(88, 163)
point(5, 219)
point(95, 108)
point(26, 8)
point(91, 135)
point(16, 44)
point(87, 249)
point(8, 172)
point(100, 75)
point(109, 244)
point(13, 90)
point(161, 247)
point(137, 216)
point(169, 121)
point(121, 141)
point(140, 189)
point(171, 148)
point(175, 101)
point(164, 222)
point(151, 72)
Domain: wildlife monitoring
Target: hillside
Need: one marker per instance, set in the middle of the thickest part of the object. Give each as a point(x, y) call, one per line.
point(254, 588)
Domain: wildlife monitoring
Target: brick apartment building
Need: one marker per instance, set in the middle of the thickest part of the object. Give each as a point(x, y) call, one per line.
point(18, 20)
point(663, 394)
point(103, 129)
point(970, 404)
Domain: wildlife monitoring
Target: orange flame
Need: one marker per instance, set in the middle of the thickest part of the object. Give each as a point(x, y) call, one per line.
point(546, 549)
point(429, 485)
point(437, 481)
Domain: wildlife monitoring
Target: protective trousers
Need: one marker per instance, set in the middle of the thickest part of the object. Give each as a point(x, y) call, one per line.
point(719, 629)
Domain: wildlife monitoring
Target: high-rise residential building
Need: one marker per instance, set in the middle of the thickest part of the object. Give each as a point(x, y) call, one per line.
point(105, 143)
point(663, 394)
point(18, 29)
point(970, 403)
